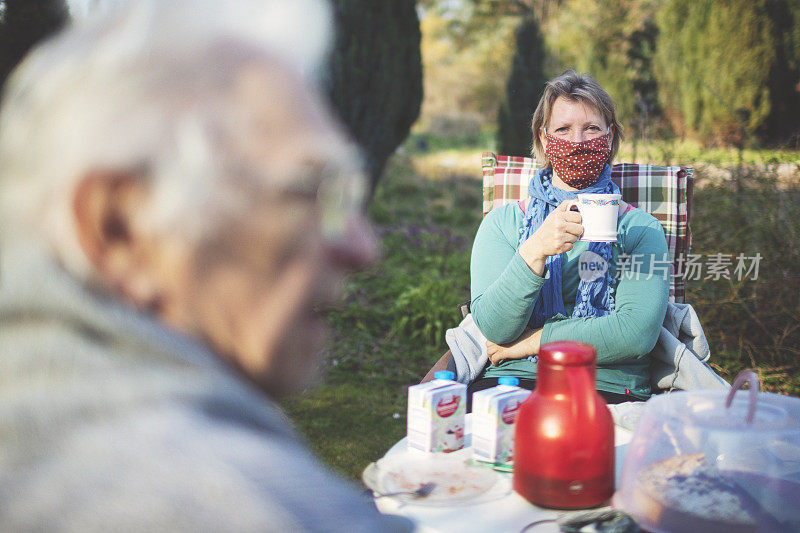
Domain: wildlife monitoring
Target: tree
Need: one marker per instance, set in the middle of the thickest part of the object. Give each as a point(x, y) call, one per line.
point(375, 77)
point(464, 78)
point(783, 122)
point(23, 23)
point(473, 19)
point(725, 71)
point(614, 42)
point(523, 90)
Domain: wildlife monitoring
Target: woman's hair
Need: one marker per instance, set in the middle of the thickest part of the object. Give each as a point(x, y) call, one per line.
point(578, 88)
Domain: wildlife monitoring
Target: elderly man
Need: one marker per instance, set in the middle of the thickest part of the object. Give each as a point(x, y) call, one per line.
point(175, 201)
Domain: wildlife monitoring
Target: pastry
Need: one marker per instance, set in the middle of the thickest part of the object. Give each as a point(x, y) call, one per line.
point(684, 492)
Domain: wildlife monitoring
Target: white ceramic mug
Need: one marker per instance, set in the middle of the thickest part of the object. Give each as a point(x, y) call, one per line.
point(599, 213)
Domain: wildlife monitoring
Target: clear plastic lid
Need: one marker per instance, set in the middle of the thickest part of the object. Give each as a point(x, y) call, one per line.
point(715, 461)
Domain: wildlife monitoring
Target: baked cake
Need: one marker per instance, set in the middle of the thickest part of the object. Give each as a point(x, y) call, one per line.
point(684, 492)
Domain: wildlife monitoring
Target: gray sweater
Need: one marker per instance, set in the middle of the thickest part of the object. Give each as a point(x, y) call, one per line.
point(109, 421)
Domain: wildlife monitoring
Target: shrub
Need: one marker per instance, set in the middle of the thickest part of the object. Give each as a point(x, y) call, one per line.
point(751, 322)
point(728, 70)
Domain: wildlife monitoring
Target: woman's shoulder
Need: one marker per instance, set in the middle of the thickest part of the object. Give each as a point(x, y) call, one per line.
point(508, 215)
point(502, 222)
point(637, 217)
point(638, 227)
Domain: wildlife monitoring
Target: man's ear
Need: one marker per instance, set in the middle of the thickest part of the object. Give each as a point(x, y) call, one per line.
point(104, 206)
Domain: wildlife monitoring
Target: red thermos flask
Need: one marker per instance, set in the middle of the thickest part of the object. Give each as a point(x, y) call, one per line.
point(564, 436)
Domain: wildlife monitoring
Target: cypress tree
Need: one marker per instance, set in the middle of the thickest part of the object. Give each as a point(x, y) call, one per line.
point(783, 122)
point(23, 23)
point(375, 78)
point(722, 69)
point(523, 90)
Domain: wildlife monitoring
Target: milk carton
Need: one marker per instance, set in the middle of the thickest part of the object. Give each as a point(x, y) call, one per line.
point(436, 414)
point(494, 412)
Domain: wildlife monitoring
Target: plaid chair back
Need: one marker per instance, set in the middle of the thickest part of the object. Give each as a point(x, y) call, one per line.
point(664, 192)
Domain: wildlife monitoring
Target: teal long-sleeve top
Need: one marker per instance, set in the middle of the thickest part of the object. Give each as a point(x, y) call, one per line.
point(504, 291)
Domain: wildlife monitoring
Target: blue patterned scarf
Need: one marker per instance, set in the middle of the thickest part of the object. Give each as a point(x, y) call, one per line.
point(593, 298)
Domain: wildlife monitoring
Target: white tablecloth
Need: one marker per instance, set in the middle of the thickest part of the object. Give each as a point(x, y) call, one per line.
point(509, 513)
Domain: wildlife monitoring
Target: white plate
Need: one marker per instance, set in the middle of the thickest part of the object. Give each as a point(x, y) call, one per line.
point(456, 480)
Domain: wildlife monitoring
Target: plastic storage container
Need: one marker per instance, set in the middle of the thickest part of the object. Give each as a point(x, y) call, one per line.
point(715, 461)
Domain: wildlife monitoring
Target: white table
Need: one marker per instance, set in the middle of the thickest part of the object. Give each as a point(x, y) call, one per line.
point(508, 513)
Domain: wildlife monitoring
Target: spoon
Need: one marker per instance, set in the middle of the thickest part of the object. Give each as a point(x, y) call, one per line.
point(421, 492)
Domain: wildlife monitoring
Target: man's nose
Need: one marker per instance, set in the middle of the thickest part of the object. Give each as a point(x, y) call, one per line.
point(356, 248)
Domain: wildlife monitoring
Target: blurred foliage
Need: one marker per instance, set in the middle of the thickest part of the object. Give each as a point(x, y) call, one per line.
point(458, 138)
point(673, 151)
point(423, 311)
point(752, 322)
point(674, 67)
point(386, 333)
point(614, 42)
point(523, 90)
point(714, 64)
point(464, 76)
point(375, 78)
point(784, 118)
point(701, 35)
point(389, 328)
point(23, 23)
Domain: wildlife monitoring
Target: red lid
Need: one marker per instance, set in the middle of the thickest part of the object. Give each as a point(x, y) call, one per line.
point(569, 353)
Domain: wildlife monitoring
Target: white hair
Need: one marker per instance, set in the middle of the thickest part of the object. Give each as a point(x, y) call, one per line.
point(136, 88)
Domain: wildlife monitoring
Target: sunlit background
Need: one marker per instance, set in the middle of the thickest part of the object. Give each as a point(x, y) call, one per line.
point(698, 83)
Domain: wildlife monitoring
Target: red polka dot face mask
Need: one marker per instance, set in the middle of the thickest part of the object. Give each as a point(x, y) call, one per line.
point(578, 164)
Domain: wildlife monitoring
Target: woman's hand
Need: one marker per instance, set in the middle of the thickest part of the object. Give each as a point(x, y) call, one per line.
point(555, 236)
point(527, 344)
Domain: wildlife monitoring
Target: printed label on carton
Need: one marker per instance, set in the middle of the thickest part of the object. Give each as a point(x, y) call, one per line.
point(494, 412)
point(447, 405)
point(436, 416)
point(509, 414)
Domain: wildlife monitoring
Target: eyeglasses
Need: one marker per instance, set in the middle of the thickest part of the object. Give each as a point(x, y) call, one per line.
point(340, 195)
point(337, 192)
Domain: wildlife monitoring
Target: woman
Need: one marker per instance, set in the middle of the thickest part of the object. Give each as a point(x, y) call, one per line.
point(526, 287)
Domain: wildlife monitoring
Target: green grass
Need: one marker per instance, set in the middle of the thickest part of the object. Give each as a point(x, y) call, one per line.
point(752, 323)
point(351, 423)
point(484, 140)
point(663, 152)
point(687, 152)
point(389, 328)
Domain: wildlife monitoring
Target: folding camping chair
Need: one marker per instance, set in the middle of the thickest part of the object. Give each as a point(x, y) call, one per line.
point(664, 192)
